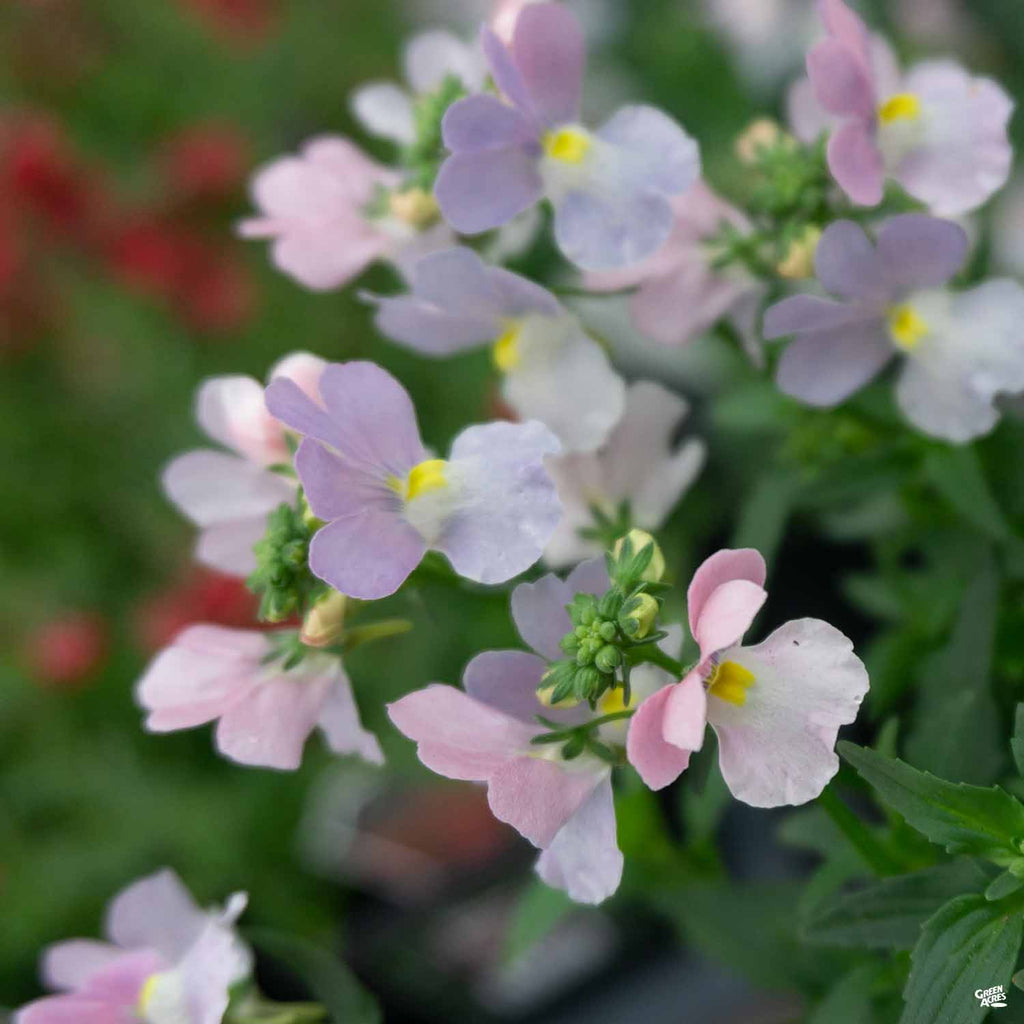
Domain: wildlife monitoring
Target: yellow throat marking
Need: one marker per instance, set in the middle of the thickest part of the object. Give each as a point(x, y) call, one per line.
point(906, 328)
point(146, 993)
point(421, 479)
point(569, 145)
point(505, 352)
point(730, 682)
point(611, 702)
point(904, 106)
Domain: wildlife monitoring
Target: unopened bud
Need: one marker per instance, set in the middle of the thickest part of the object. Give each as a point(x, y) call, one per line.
point(416, 207)
point(608, 658)
point(544, 697)
point(641, 616)
point(640, 539)
point(799, 261)
point(758, 136)
point(325, 621)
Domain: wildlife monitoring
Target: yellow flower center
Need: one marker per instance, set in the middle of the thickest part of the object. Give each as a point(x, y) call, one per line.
point(505, 352)
point(730, 682)
point(421, 479)
point(570, 145)
point(904, 106)
point(147, 992)
point(906, 328)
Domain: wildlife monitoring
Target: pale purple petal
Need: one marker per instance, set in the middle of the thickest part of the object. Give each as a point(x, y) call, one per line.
point(722, 567)
point(657, 761)
point(457, 736)
point(385, 109)
point(432, 56)
point(727, 614)
point(428, 330)
point(856, 163)
point(481, 191)
point(156, 913)
point(916, 251)
point(458, 281)
point(303, 368)
point(69, 965)
point(848, 265)
point(339, 721)
point(778, 746)
point(480, 123)
point(584, 859)
point(506, 74)
point(842, 83)
point(589, 577)
point(507, 680)
point(507, 505)
point(293, 407)
point(228, 547)
point(686, 708)
point(521, 296)
point(216, 962)
point(844, 25)
point(549, 51)
point(808, 119)
point(336, 488)
point(823, 368)
point(368, 555)
point(800, 313)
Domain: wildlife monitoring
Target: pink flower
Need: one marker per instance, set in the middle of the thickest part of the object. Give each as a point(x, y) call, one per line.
point(264, 711)
point(165, 960)
point(680, 294)
point(229, 496)
point(316, 209)
point(937, 131)
point(776, 707)
point(484, 735)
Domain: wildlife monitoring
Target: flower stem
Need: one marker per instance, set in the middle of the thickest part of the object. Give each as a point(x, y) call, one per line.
point(875, 855)
point(656, 656)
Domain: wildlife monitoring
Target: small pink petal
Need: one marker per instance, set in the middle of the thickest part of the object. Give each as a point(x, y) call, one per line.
point(657, 761)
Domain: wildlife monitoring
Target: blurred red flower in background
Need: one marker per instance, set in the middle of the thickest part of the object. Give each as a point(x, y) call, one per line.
point(68, 650)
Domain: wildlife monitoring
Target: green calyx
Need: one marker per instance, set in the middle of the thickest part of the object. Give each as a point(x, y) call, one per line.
point(424, 156)
point(282, 578)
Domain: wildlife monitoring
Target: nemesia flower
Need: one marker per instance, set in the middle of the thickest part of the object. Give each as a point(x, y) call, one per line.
point(229, 496)
point(264, 712)
point(937, 131)
point(490, 507)
point(960, 349)
point(166, 961)
point(680, 295)
point(553, 371)
point(386, 109)
point(610, 189)
point(317, 208)
point(483, 735)
point(640, 463)
point(776, 707)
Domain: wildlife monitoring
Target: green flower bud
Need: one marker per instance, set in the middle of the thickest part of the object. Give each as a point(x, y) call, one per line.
point(610, 605)
point(640, 540)
point(608, 658)
point(585, 655)
point(639, 616)
point(569, 643)
point(589, 683)
point(588, 615)
point(607, 631)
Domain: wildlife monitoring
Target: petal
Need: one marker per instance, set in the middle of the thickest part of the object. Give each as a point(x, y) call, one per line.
point(841, 81)
point(70, 1010)
point(845, 26)
point(459, 282)
point(507, 680)
point(216, 962)
point(727, 614)
point(120, 983)
point(69, 965)
point(537, 796)
point(157, 913)
point(213, 487)
point(686, 708)
point(506, 74)
point(340, 723)
point(457, 736)
point(520, 296)
point(539, 609)
point(228, 547)
point(326, 256)
point(584, 859)
point(428, 330)
point(508, 507)
point(808, 119)
point(336, 488)
point(385, 109)
point(231, 410)
point(430, 57)
point(269, 726)
point(778, 746)
point(722, 567)
point(800, 313)
point(856, 163)
point(847, 264)
point(823, 368)
point(303, 368)
point(479, 123)
point(916, 251)
point(368, 555)
point(564, 380)
point(657, 761)
point(589, 577)
point(549, 52)
point(481, 191)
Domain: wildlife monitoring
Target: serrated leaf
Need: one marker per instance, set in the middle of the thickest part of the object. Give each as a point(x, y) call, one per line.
point(965, 819)
point(330, 982)
point(889, 914)
point(969, 944)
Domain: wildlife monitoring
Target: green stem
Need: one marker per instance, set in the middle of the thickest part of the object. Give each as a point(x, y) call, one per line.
point(656, 656)
point(875, 855)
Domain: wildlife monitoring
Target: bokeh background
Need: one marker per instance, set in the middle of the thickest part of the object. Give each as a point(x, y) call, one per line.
point(128, 129)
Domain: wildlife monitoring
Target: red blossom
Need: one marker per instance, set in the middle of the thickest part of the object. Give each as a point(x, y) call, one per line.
point(68, 650)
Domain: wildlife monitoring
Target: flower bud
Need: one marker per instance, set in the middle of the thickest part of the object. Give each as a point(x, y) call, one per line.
point(325, 621)
point(607, 631)
point(545, 696)
point(608, 658)
point(589, 683)
point(799, 261)
point(416, 207)
point(640, 616)
point(758, 136)
point(640, 539)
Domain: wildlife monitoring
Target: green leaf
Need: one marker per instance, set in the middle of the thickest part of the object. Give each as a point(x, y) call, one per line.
point(956, 473)
point(1003, 885)
point(538, 911)
point(327, 977)
point(849, 1000)
point(969, 944)
point(889, 914)
point(1017, 743)
point(766, 510)
point(965, 819)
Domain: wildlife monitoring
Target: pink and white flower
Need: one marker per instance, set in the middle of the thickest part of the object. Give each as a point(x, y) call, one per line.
point(264, 712)
point(775, 707)
point(229, 494)
point(166, 961)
